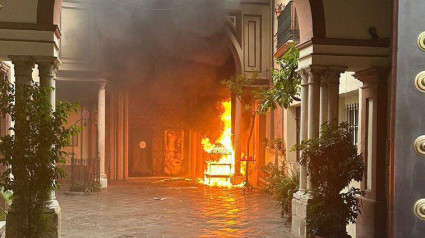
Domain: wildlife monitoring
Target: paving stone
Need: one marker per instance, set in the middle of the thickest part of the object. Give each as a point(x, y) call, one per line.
point(158, 208)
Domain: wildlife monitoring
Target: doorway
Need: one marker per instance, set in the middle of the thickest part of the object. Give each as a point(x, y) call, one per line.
point(140, 159)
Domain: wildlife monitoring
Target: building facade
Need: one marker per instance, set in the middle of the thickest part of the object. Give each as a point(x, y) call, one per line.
point(360, 61)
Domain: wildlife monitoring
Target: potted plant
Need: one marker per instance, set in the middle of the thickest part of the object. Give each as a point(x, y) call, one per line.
point(333, 163)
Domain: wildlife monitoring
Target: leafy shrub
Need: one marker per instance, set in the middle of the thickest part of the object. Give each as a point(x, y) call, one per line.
point(31, 153)
point(86, 187)
point(281, 186)
point(332, 163)
point(7, 196)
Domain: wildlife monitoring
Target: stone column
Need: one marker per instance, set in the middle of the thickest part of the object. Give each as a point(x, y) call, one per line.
point(48, 67)
point(23, 66)
point(323, 101)
point(303, 124)
point(310, 105)
point(313, 119)
point(237, 143)
point(23, 76)
point(101, 104)
point(332, 77)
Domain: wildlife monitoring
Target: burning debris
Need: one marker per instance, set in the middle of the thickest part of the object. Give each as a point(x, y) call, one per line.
point(220, 171)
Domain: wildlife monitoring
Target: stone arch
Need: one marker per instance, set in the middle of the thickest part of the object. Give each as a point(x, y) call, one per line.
point(311, 17)
point(48, 12)
point(235, 47)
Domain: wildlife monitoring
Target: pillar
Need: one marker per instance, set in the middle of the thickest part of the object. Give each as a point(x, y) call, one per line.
point(48, 67)
point(303, 124)
point(309, 128)
point(313, 118)
point(333, 75)
point(23, 76)
point(101, 107)
point(371, 221)
point(323, 101)
point(237, 143)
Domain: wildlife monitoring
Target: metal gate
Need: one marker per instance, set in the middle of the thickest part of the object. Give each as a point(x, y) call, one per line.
point(85, 166)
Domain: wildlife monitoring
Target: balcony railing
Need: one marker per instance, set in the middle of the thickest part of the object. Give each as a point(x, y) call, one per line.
point(288, 27)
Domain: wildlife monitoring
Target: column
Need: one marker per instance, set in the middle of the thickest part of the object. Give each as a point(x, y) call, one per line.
point(323, 101)
point(237, 143)
point(303, 124)
point(313, 119)
point(333, 75)
point(48, 67)
point(101, 104)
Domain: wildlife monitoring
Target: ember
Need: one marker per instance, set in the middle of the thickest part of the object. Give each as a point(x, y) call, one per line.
point(219, 172)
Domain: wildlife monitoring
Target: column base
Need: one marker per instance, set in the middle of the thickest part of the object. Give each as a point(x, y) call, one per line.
point(299, 213)
point(103, 181)
point(371, 222)
point(53, 213)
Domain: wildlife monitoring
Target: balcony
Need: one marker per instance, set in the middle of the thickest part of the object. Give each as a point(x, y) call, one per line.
point(288, 27)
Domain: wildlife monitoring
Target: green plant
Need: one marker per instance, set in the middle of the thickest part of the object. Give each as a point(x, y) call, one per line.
point(247, 93)
point(8, 198)
point(332, 162)
point(282, 186)
point(286, 82)
point(86, 187)
point(32, 152)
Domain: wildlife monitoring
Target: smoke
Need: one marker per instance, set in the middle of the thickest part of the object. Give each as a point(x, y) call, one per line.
point(165, 49)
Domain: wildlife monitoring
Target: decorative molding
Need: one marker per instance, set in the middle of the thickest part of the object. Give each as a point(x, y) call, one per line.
point(344, 42)
point(252, 43)
point(375, 75)
point(31, 27)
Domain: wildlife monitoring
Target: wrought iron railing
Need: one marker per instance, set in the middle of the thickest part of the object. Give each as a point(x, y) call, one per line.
point(84, 172)
point(288, 27)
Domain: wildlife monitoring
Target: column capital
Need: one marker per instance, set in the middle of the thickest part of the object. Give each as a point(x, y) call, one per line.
point(315, 73)
point(304, 76)
point(102, 84)
point(24, 61)
point(47, 64)
point(375, 75)
point(333, 73)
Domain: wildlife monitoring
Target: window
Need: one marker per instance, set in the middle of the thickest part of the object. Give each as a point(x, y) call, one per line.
point(353, 120)
point(288, 28)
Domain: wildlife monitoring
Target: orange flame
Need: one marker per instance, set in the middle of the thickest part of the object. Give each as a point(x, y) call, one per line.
point(225, 166)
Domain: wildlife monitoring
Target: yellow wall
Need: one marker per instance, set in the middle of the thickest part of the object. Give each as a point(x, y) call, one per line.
point(19, 11)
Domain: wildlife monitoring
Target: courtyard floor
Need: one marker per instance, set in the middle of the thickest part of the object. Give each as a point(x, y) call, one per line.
point(170, 208)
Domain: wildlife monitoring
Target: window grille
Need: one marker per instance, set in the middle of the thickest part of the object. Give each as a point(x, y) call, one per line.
point(353, 120)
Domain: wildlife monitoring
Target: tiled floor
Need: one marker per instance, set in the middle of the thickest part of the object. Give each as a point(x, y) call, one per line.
point(170, 208)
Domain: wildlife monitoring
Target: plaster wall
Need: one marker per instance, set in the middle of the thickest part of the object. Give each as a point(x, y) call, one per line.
point(351, 19)
point(24, 11)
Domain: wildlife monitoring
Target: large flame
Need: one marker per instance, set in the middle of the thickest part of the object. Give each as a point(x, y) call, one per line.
point(226, 164)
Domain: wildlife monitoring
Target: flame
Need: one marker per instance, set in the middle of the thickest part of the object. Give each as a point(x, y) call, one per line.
point(226, 164)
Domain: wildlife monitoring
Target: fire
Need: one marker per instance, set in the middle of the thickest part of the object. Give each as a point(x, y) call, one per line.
point(219, 173)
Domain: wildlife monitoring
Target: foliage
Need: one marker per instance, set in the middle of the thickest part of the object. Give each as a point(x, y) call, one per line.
point(244, 89)
point(333, 162)
point(281, 186)
point(32, 152)
point(286, 82)
point(7, 197)
point(86, 187)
